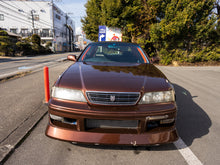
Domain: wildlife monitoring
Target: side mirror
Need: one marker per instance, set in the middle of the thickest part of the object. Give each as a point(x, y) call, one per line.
point(71, 57)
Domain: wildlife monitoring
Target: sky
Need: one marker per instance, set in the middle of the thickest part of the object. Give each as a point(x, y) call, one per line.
point(75, 9)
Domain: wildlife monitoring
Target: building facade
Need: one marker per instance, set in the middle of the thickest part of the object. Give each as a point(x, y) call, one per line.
point(25, 17)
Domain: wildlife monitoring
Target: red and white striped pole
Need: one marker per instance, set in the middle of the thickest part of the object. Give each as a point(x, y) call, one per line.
point(46, 84)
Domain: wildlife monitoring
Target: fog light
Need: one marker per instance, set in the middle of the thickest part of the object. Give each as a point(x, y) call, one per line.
point(151, 118)
point(57, 118)
point(167, 121)
point(70, 121)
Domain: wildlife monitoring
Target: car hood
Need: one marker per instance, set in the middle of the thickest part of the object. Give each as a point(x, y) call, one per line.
point(115, 77)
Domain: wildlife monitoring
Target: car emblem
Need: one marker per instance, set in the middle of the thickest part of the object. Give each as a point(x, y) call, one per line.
point(112, 98)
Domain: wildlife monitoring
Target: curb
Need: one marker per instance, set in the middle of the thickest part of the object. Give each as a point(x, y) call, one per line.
point(25, 71)
point(16, 137)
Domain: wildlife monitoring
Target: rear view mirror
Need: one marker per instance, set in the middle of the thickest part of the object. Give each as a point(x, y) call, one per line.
point(71, 57)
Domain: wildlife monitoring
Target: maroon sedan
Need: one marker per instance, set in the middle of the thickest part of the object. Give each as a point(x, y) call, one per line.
point(112, 94)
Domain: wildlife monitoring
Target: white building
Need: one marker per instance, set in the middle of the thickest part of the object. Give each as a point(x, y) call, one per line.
point(26, 17)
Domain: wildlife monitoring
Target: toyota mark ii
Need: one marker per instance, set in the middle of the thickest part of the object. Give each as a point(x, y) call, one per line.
point(113, 94)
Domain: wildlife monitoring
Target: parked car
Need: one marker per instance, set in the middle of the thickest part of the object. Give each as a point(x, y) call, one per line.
point(76, 47)
point(113, 94)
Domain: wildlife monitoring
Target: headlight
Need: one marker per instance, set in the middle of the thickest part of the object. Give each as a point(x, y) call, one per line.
point(68, 94)
point(158, 97)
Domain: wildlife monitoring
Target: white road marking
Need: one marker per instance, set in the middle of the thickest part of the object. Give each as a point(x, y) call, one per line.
point(187, 154)
point(24, 67)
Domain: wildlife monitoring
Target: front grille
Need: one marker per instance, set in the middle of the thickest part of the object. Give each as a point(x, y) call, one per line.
point(113, 98)
point(111, 124)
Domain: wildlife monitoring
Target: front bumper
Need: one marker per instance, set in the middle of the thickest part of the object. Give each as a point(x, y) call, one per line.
point(147, 132)
point(168, 136)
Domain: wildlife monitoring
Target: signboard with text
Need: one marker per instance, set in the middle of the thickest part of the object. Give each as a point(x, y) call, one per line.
point(102, 33)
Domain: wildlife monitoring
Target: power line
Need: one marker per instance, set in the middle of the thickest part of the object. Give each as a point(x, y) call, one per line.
point(12, 9)
point(9, 4)
point(37, 5)
point(12, 17)
point(15, 19)
point(19, 19)
point(32, 15)
point(21, 15)
point(27, 5)
point(43, 21)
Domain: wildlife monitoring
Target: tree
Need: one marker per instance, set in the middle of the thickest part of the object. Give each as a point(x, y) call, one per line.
point(217, 7)
point(129, 15)
point(161, 27)
point(35, 39)
point(6, 46)
point(92, 21)
point(186, 25)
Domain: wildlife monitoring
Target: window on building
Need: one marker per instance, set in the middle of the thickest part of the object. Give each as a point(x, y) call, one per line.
point(13, 31)
point(43, 11)
point(45, 33)
point(36, 31)
point(20, 10)
point(24, 32)
point(1, 17)
point(58, 17)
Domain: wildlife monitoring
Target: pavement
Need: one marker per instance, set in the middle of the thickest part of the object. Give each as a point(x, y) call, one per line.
point(197, 90)
point(13, 140)
point(17, 117)
point(24, 65)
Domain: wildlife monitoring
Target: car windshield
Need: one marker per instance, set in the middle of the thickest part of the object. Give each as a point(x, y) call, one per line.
point(113, 52)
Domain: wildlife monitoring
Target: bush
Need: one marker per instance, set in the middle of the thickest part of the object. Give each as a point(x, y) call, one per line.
point(32, 46)
point(210, 53)
point(48, 44)
point(35, 39)
point(24, 48)
point(165, 56)
point(37, 49)
point(7, 44)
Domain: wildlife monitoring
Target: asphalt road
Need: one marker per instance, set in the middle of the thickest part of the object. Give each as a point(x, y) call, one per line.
point(21, 99)
point(13, 65)
point(198, 93)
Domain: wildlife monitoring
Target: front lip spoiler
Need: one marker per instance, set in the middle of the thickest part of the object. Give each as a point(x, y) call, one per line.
point(167, 136)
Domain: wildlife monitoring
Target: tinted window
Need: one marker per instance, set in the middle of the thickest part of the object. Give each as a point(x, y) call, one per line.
point(114, 52)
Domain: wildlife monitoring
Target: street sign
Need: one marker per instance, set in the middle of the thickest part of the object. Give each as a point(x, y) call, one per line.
point(102, 33)
point(109, 34)
point(113, 34)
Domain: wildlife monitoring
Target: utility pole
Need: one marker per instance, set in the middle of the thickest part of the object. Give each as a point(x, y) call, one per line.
point(66, 32)
point(32, 18)
point(53, 31)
